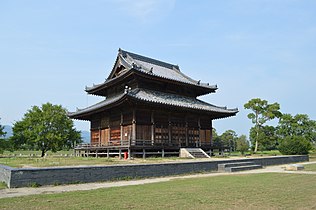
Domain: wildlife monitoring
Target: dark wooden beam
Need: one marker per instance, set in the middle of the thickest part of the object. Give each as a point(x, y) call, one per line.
point(134, 125)
point(121, 124)
point(152, 128)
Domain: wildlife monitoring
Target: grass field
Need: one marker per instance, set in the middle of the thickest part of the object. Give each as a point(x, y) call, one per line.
point(37, 153)
point(259, 153)
point(255, 191)
point(2, 185)
point(310, 167)
point(54, 161)
point(312, 156)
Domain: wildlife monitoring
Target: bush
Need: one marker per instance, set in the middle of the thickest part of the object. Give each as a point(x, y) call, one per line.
point(294, 145)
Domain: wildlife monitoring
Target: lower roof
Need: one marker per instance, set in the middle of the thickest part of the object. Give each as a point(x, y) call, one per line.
point(154, 98)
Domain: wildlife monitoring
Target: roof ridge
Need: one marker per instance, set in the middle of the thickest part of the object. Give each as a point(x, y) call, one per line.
point(149, 60)
point(129, 55)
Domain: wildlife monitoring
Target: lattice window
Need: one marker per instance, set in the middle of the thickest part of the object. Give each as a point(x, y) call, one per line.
point(193, 136)
point(161, 134)
point(178, 133)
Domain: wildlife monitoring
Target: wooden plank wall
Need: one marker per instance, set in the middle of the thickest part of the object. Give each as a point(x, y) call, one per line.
point(161, 127)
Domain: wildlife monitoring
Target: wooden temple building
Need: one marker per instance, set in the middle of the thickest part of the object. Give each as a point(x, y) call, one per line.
point(150, 108)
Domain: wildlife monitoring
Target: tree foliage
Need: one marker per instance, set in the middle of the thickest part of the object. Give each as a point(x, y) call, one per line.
point(299, 125)
point(2, 133)
point(216, 140)
point(267, 137)
point(2, 140)
point(294, 145)
point(242, 144)
point(45, 128)
point(229, 138)
point(261, 113)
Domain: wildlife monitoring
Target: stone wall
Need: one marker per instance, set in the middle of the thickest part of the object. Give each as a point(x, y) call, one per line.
point(16, 177)
point(5, 174)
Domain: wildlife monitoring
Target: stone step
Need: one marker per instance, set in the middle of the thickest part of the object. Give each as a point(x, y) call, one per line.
point(243, 168)
point(198, 154)
point(223, 166)
point(193, 149)
point(193, 153)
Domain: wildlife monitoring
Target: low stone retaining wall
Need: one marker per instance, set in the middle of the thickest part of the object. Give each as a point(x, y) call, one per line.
point(21, 177)
point(5, 174)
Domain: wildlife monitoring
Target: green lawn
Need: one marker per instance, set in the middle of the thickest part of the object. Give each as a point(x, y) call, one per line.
point(2, 185)
point(258, 154)
point(310, 167)
point(37, 153)
point(312, 156)
point(54, 161)
point(256, 191)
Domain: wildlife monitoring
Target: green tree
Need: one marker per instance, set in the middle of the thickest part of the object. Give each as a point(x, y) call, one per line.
point(229, 138)
point(45, 128)
point(262, 112)
point(299, 125)
point(2, 140)
point(267, 137)
point(294, 145)
point(216, 140)
point(2, 133)
point(242, 144)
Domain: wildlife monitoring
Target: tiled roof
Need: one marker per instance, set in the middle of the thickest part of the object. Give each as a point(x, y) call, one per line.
point(154, 68)
point(157, 97)
point(177, 100)
point(97, 106)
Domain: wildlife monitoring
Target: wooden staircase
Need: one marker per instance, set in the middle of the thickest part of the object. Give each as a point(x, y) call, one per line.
point(238, 166)
point(195, 153)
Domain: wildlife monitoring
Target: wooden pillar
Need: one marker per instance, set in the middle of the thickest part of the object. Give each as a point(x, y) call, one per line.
point(121, 124)
point(120, 153)
point(99, 135)
point(199, 124)
point(186, 132)
point(134, 125)
point(211, 140)
point(109, 138)
point(169, 129)
point(152, 128)
point(129, 153)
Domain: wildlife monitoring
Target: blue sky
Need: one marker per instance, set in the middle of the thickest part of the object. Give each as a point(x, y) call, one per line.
point(50, 50)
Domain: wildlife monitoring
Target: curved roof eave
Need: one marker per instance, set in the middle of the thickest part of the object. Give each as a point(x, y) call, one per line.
point(156, 98)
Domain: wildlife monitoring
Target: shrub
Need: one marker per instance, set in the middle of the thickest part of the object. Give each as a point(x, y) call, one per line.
point(294, 145)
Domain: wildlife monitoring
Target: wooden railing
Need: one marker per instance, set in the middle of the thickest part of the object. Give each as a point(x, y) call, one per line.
point(141, 142)
point(137, 142)
point(110, 143)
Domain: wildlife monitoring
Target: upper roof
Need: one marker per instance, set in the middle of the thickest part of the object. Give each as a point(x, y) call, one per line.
point(127, 62)
point(156, 98)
